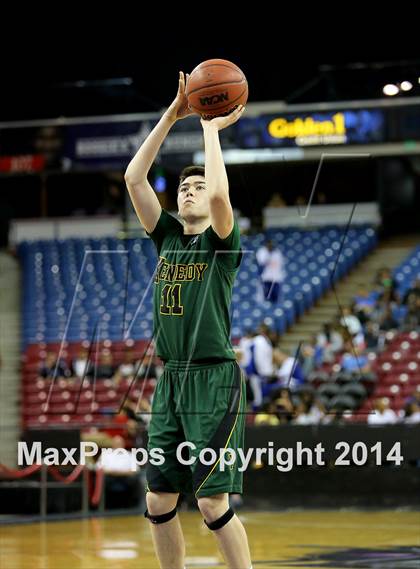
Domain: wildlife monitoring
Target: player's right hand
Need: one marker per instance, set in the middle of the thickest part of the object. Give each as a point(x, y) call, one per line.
point(179, 108)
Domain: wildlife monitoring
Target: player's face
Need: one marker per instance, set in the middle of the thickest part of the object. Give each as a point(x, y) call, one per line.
point(193, 201)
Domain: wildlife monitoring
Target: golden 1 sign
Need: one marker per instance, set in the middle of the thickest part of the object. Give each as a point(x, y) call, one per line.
point(309, 131)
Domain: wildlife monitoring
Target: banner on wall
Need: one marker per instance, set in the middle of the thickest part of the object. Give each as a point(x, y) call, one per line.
point(313, 129)
point(101, 143)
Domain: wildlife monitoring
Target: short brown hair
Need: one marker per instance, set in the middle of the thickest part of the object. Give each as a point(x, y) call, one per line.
point(191, 171)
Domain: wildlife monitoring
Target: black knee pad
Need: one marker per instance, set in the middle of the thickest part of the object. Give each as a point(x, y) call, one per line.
point(222, 521)
point(162, 518)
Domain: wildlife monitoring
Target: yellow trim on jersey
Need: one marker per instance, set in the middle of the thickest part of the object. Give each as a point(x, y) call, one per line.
point(170, 307)
point(227, 442)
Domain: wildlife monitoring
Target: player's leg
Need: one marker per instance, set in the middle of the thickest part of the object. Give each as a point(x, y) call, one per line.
point(166, 529)
point(216, 400)
point(167, 479)
point(228, 530)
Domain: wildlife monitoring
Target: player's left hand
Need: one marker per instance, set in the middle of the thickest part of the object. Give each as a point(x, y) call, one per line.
point(223, 122)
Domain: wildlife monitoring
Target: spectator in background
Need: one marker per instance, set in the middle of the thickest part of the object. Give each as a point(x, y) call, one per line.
point(244, 349)
point(387, 321)
point(105, 369)
point(138, 412)
point(382, 304)
point(386, 284)
point(267, 415)
point(411, 413)
point(125, 424)
point(334, 417)
point(144, 411)
point(81, 366)
point(50, 368)
point(412, 318)
point(271, 263)
point(383, 414)
point(415, 397)
point(127, 368)
point(276, 200)
point(330, 341)
point(310, 356)
point(313, 409)
point(144, 368)
point(371, 336)
point(128, 424)
point(147, 367)
point(289, 372)
point(354, 360)
point(412, 293)
point(363, 304)
point(284, 404)
point(307, 414)
point(260, 365)
point(350, 321)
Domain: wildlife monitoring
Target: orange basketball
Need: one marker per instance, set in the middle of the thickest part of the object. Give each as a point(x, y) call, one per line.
point(216, 87)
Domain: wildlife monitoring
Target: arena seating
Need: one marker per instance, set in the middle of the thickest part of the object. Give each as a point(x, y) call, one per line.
point(395, 370)
point(100, 290)
point(78, 287)
point(96, 401)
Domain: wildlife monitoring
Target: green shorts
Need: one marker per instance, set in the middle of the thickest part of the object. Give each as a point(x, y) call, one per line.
point(205, 405)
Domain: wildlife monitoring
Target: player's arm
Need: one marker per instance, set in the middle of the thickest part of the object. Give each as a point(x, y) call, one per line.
point(142, 195)
point(221, 214)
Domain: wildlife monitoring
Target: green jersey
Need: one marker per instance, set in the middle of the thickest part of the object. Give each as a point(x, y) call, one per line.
point(193, 291)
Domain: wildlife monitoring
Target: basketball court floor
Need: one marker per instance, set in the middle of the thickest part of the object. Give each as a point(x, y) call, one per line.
point(334, 539)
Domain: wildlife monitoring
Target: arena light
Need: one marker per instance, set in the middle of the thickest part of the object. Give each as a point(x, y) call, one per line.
point(406, 86)
point(390, 90)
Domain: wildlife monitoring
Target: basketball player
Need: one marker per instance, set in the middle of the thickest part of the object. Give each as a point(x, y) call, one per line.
point(200, 396)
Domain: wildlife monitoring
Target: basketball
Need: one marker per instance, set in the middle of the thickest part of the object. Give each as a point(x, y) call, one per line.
point(215, 88)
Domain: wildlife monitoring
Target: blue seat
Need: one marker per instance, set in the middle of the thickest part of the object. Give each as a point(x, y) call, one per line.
point(50, 305)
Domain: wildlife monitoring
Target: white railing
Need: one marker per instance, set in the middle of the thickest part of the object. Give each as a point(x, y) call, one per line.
point(63, 228)
point(318, 215)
